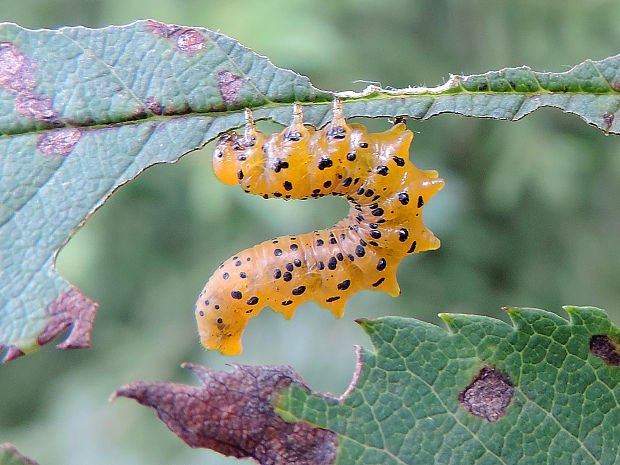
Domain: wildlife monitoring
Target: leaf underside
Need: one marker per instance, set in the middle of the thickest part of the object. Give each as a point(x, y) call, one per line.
point(545, 390)
point(83, 111)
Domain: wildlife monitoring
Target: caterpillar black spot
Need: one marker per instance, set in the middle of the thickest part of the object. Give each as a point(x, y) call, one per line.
point(362, 251)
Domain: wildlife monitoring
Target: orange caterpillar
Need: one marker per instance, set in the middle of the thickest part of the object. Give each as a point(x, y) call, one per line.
point(385, 191)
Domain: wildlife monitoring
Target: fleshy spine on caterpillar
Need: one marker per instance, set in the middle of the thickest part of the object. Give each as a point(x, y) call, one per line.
point(386, 193)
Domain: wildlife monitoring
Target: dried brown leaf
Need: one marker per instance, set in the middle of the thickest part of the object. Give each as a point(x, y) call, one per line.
point(232, 414)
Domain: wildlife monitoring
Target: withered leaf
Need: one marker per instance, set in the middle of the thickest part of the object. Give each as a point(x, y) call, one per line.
point(232, 414)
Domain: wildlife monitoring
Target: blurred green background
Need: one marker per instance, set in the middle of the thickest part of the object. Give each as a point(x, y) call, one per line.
point(529, 216)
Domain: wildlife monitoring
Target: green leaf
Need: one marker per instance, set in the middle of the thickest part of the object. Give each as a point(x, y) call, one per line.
point(10, 456)
point(590, 90)
point(544, 391)
point(83, 111)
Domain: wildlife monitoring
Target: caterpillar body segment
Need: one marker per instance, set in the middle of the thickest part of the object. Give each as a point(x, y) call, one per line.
point(386, 193)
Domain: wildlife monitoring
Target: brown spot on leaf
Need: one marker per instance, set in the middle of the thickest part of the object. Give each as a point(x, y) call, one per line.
point(8, 452)
point(17, 76)
point(15, 68)
point(602, 347)
point(609, 119)
point(232, 414)
point(154, 106)
point(34, 106)
point(162, 29)
point(615, 85)
point(488, 395)
point(11, 62)
point(74, 309)
point(190, 41)
point(59, 142)
point(229, 84)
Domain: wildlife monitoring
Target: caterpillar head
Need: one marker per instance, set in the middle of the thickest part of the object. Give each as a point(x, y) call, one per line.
point(220, 325)
point(225, 157)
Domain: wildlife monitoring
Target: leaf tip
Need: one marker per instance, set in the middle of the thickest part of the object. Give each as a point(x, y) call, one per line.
point(576, 310)
point(515, 315)
point(128, 391)
point(366, 323)
point(449, 321)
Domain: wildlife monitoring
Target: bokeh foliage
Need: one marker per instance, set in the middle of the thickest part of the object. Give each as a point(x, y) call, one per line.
point(529, 215)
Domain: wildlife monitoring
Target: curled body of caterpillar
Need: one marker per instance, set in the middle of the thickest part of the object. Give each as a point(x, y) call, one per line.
point(385, 191)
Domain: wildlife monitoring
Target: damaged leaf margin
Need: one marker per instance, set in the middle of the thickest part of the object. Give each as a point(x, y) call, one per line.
point(590, 90)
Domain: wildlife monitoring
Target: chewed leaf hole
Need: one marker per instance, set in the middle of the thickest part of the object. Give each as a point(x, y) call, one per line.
point(602, 347)
point(488, 395)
